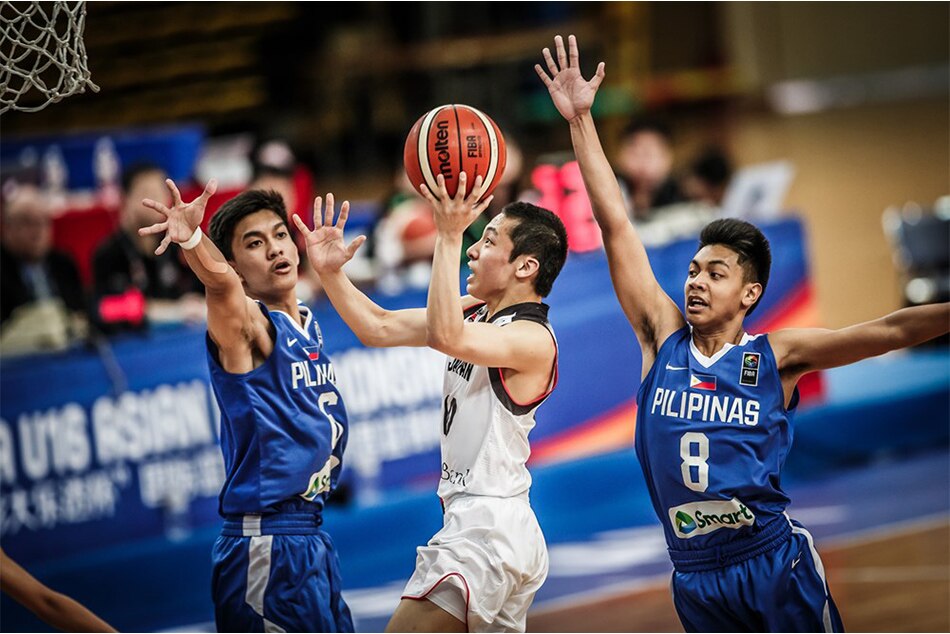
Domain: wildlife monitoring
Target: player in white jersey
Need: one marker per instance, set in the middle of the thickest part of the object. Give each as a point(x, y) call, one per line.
point(481, 571)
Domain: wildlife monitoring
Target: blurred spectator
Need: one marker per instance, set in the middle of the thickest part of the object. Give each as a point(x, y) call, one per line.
point(133, 286)
point(41, 297)
point(274, 168)
point(644, 163)
point(708, 177)
point(403, 239)
point(274, 165)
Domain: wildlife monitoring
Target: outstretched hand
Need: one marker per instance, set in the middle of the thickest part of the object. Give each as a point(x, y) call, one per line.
point(181, 219)
point(571, 93)
point(454, 214)
point(326, 249)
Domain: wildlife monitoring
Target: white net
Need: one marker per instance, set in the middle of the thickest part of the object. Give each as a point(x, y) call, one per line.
point(42, 55)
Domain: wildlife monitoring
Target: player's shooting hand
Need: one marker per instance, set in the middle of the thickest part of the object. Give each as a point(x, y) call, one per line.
point(181, 219)
point(453, 214)
point(326, 249)
point(571, 93)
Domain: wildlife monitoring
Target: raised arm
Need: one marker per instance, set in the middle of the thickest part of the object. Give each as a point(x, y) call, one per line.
point(522, 346)
point(230, 311)
point(801, 350)
point(653, 315)
point(327, 253)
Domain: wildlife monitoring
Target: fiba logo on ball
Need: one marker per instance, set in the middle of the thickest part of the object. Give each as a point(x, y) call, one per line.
point(452, 139)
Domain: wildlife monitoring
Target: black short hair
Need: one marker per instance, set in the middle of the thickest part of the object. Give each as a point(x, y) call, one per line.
point(132, 173)
point(542, 234)
point(749, 243)
point(712, 166)
point(221, 227)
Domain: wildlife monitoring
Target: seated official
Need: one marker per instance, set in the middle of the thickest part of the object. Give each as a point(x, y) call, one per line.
point(42, 304)
point(133, 286)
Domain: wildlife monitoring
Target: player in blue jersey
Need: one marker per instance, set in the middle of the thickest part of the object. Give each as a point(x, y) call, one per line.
point(715, 404)
point(283, 423)
point(502, 365)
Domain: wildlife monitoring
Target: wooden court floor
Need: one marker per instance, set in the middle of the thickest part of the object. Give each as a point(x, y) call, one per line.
point(888, 583)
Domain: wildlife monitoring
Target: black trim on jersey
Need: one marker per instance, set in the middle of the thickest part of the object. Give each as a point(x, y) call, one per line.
point(527, 311)
point(793, 402)
point(471, 310)
point(530, 311)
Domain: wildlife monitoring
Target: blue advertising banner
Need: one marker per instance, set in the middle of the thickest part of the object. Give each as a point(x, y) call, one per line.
point(102, 447)
point(81, 161)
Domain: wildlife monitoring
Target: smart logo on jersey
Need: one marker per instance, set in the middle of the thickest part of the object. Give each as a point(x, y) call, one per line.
point(702, 518)
point(684, 523)
point(702, 382)
point(321, 480)
point(749, 374)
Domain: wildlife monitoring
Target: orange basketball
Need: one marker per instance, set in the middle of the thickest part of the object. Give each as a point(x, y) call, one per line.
point(452, 139)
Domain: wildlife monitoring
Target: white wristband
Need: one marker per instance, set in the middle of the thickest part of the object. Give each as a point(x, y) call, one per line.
point(193, 241)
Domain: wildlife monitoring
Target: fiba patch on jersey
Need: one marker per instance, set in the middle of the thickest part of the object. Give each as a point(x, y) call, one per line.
point(749, 373)
point(702, 382)
point(702, 518)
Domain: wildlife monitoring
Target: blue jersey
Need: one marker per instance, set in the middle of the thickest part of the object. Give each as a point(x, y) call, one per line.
point(283, 424)
point(712, 436)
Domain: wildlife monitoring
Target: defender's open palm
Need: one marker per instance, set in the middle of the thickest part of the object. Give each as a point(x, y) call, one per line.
point(326, 249)
point(454, 214)
point(571, 93)
point(181, 219)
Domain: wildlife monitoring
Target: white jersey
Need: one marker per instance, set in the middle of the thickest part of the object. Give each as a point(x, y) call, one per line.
point(484, 431)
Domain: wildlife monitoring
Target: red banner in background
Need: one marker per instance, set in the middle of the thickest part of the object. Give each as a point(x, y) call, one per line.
point(562, 191)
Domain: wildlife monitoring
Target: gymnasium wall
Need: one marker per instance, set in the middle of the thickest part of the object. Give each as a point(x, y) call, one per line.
point(775, 41)
point(854, 161)
point(851, 165)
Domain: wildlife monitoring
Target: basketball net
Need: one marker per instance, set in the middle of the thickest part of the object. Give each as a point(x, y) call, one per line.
point(42, 55)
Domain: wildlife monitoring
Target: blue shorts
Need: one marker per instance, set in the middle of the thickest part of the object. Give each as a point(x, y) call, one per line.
point(277, 570)
point(780, 590)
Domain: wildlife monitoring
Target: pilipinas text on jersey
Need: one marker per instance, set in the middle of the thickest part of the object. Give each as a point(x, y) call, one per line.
point(283, 424)
point(712, 435)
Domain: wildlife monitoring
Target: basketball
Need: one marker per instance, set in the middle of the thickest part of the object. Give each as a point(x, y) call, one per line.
point(452, 139)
